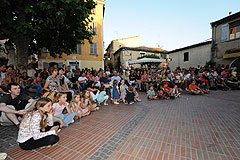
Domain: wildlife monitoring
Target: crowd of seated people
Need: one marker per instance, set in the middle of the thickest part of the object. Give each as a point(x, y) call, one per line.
point(64, 95)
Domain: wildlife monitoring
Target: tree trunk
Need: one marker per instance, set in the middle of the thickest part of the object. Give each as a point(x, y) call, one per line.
point(22, 45)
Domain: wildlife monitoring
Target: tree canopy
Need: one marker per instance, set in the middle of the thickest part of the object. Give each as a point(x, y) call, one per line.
point(57, 25)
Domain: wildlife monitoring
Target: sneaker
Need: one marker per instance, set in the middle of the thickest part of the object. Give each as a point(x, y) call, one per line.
point(116, 103)
point(131, 103)
point(97, 108)
point(126, 102)
point(59, 130)
point(72, 121)
point(105, 104)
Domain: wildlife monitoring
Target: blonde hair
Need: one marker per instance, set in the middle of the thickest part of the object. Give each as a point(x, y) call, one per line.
point(83, 95)
point(74, 97)
point(60, 94)
point(40, 103)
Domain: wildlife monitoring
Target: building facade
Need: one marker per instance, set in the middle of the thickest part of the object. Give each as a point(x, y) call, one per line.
point(194, 55)
point(88, 55)
point(118, 43)
point(226, 39)
point(125, 54)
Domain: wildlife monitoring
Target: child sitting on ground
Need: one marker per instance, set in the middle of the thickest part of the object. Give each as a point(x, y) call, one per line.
point(37, 128)
point(58, 107)
point(92, 95)
point(130, 96)
point(167, 89)
point(151, 95)
point(76, 107)
point(203, 87)
point(136, 97)
point(194, 89)
point(175, 91)
point(160, 92)
point(86, 102)
point(102, 97)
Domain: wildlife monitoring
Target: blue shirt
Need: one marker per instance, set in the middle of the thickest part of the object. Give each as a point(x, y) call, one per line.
point(104, 79)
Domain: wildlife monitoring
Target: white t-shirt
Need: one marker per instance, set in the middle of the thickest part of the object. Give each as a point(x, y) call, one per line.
point(82, 79)
point(116, 78)
point(31, 73)
point(108, 73)
point(187, 76)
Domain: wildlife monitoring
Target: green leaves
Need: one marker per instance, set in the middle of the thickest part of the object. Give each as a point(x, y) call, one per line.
point(47, 23)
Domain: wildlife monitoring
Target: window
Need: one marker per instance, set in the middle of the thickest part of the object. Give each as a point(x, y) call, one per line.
point(142, 53)
point(79, 48)
point(234, 30)
point(94, 28)
point(224, 32)
point(238, 32)
point(93, 48)
point(186, 57)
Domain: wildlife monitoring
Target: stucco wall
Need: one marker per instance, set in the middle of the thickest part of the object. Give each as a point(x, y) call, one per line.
point(197, 56)
point(82, 63)
point(129, 55)
point(85, 56)
point(124, 42)
point(221, 47)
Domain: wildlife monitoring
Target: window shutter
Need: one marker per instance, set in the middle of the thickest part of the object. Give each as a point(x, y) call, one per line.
point(95, 48)
point(224, 34)
point(79, 48)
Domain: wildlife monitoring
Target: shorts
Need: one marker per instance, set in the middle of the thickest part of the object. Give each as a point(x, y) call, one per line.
point(160, 96)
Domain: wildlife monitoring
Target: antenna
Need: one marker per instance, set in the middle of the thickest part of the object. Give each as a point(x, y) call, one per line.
point(116, 32)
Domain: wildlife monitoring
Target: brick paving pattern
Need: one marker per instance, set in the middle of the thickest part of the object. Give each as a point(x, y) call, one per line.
point(189, 127)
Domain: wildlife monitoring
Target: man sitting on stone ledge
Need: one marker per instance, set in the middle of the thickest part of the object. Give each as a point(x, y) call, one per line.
point(14, 103)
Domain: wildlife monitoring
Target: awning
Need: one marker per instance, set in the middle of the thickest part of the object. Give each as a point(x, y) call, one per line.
point(231, 55)
point(146, 60)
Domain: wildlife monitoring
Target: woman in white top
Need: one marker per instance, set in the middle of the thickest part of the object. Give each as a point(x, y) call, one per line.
point(35, 129)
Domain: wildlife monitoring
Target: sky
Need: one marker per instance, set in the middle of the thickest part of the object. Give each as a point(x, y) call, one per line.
point(170, 24)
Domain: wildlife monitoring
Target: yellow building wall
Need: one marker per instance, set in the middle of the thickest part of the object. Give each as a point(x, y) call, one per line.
point(85, 57)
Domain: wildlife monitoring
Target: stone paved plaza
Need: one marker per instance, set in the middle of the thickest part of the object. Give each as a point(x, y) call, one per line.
point(190, 127)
